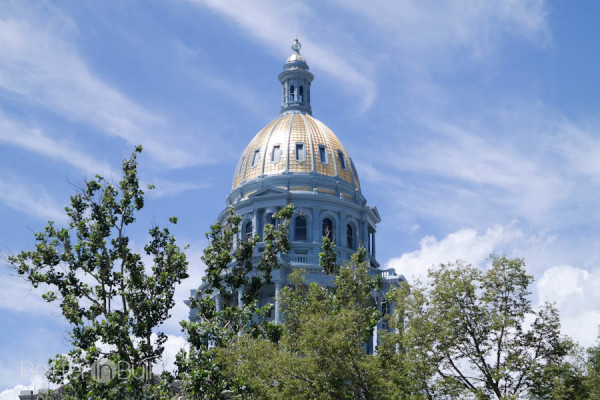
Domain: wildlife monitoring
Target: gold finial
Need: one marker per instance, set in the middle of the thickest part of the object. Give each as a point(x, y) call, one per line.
point(296, 46)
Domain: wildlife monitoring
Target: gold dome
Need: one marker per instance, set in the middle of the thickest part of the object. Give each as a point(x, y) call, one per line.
point(295, 143)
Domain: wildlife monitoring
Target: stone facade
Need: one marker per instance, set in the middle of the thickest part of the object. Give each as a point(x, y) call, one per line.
point(298, 159)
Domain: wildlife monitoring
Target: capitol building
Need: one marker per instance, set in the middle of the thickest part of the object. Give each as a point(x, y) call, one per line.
point(297, 159)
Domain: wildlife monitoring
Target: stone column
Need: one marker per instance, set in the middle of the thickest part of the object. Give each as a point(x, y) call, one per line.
point(240, 296)
point(375, 340)
point(277, 288)
point(255, 228)
point(316, 225)
point(373, 243)
point(218, 302)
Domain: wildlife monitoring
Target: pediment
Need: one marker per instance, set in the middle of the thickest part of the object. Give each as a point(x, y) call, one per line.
point(375, 213)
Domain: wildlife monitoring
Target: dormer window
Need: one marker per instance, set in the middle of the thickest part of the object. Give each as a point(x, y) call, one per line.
point(255, 158)
point(276, 153)
point(341, 159)
point(300, 152)
point(292, 94)
point(301, 94)
point(323, 154)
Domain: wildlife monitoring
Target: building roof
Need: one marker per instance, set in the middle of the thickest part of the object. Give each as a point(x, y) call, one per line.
point(295, 143)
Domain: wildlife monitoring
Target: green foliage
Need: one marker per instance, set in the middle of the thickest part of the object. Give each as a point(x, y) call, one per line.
point(465, 335)
point(591, 379)
point(106, 292)
point(321, 354)
point(229, 266)
point(328, 257)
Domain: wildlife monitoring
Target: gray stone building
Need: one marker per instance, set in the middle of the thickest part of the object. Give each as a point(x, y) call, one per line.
point(297, 159)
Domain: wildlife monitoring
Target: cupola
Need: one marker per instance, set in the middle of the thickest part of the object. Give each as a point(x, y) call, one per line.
point(295, 83)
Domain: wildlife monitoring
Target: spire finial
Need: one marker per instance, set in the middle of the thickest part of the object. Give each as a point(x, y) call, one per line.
point(296, 45)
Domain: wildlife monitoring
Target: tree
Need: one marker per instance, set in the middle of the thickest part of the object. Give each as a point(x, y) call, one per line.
point(592, 372)
point(229, 271)
point(321, 354)
point(328, 257)
point(466, 335)
point(114, 302)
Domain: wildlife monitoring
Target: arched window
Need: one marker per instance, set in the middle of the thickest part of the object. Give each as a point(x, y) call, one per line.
point(269, 219)
point(292, 94)
point(328, 228)
point(248, 230)
point(301, 94)
point(300, 228)
point(349, 237)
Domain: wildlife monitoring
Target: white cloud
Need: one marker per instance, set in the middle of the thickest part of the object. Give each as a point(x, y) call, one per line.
point(573, 290)
point(36, 380)
point(172, 346)
point(466, 244)
point(31, 199)
point(575, 293)
point(13, 393)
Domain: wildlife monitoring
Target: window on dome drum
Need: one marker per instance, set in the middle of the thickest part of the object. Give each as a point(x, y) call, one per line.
point(342, 159)
point(301, 94)
point(269, 219)
point(300, 228)
point(292, 94)
point(248, 231)
point(255, 158)
point(349, 237)
point(385, 309)
point(300, 152)
point(323, 154)
point(276, 153)
point(328, 228)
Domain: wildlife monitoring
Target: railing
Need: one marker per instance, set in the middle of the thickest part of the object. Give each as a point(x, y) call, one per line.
point(303, 259)
point(313, 259)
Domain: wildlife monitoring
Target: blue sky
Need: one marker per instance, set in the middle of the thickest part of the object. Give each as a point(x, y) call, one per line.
point(474, 129)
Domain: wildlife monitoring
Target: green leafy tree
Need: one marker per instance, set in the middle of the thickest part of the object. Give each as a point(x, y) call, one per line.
point(321, 354)
point(112, 299)
point(592, 372)
point(230, 271)
point(466, 335)
point(328, 257)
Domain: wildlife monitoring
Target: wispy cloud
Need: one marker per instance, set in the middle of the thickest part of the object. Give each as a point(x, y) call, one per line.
point(37, 141)
point(31, 199)
point(427, 31)
point(166, 188)
point(40, 62)
point(418, 36)
point(275, 25)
